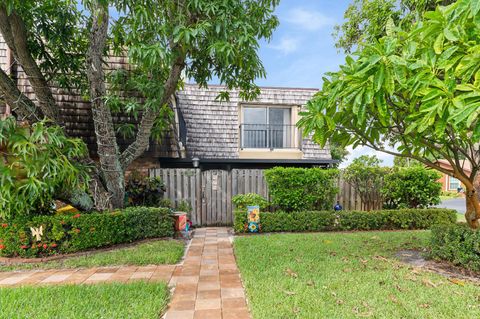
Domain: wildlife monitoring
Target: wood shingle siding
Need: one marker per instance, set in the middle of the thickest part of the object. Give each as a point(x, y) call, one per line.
point(213, 126)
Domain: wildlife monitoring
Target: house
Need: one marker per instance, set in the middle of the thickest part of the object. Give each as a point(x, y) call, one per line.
point(449, 183)
point(214, 149)
point(237, 133)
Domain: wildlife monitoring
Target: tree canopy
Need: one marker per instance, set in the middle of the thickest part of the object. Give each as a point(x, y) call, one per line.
point(61, 44)
point(416, 90)
point(367, 20)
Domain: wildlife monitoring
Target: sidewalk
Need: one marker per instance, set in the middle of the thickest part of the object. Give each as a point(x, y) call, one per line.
point(86, 276)
point(208, 283)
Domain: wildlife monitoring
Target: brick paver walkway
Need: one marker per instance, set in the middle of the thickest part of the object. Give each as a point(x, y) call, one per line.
point(208, 283)
point(86, 276)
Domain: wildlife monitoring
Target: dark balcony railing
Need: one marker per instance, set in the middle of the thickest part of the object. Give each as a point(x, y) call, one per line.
point(267, 136)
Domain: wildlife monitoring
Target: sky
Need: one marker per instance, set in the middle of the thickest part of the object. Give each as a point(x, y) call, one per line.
point(302, 49)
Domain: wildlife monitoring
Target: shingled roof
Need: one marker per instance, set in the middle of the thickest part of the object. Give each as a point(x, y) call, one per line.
point(212, 126)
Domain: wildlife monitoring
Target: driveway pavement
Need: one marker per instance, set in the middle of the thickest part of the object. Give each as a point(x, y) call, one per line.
point(454, 203)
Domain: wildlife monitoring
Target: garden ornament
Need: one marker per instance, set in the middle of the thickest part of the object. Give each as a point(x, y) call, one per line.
point(253, 217)
point(37, 232)
point(337, 207)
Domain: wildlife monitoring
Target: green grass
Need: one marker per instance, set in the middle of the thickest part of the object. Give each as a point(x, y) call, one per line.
point(461, 218)
point(346, 275)
point(135, 300)
point(150, 253)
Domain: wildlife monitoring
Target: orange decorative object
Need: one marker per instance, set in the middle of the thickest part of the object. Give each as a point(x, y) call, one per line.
point(180, 221)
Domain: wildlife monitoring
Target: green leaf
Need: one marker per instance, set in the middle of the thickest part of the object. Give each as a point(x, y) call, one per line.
point(438, 44)
point(449, 35)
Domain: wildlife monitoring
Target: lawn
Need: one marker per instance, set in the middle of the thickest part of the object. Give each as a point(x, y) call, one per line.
point(346, 275)
point(149, 253)
point(134, 300)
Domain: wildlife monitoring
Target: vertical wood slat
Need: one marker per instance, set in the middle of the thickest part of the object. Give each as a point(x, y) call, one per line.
point(208, 185)
point(229, 217)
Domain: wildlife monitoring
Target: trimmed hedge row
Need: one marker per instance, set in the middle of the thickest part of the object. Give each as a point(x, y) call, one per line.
point(458, 244)
point(68, 233)
point(347, 220)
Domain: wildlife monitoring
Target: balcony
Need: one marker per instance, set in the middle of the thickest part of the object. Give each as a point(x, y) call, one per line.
point(269, 136)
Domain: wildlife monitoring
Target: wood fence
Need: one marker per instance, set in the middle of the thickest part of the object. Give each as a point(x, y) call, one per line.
point(210, 192)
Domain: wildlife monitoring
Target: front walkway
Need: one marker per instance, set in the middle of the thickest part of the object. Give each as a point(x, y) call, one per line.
point(208, 283)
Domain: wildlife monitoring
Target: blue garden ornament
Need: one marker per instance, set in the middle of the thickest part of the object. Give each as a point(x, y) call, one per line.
point(338, 207)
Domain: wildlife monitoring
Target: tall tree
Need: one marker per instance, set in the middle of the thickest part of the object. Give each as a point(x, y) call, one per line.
point(56, 43)
point(367, 20)
point(418, 90)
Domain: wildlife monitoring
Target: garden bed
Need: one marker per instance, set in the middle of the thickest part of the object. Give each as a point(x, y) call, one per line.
point(48, 235)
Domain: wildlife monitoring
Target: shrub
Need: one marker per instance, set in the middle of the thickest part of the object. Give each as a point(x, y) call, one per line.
point(348, 220)
point(67, 233)
point(297, 189)
point(241, 201)
point(38, 163)
point(144, 191)
point(458, 244)
point(411, 187)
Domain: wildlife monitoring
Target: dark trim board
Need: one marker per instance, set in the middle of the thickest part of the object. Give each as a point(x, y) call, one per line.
point(229, 163)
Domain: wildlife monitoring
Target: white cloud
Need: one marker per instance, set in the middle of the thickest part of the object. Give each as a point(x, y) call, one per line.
point(309, 20)
point(286, 45)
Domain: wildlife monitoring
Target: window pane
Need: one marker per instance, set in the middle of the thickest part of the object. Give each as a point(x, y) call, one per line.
point(254, 128)
point(280, 129)
point(454, 183)
point(255, 115)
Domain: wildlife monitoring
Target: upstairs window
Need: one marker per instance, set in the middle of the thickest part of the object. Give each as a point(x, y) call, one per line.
point(267, 127)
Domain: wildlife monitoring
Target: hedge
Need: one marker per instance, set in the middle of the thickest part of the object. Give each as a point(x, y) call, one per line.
point(347, 220)
point(68, 233)
point(301, 189)
point(458, 244)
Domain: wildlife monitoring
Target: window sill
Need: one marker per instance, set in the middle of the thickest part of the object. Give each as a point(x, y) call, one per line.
point(266, 153)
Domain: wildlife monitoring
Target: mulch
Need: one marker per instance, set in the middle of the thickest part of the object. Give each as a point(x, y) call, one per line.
point(415, 258)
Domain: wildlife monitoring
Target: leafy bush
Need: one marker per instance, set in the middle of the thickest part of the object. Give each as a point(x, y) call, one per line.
point(458, 244)
point(412, 187)
point(241, 201)
point(297, 189)
point(144, 191)
point(67, 233)
point(184, 206)
point(366, 176)
point(348, 220)
point(38, 162)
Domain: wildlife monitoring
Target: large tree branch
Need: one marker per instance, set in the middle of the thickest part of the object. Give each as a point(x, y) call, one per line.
point(21, 105)
point(142, 140)
point(15, 34)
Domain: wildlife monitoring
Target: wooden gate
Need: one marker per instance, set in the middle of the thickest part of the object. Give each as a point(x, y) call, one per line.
point(210, 192)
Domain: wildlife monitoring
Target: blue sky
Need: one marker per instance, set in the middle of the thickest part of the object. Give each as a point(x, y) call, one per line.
point(302, 49)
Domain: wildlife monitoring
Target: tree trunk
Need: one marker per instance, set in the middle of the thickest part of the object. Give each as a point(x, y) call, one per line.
point(472, 214)
point(111, 171)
